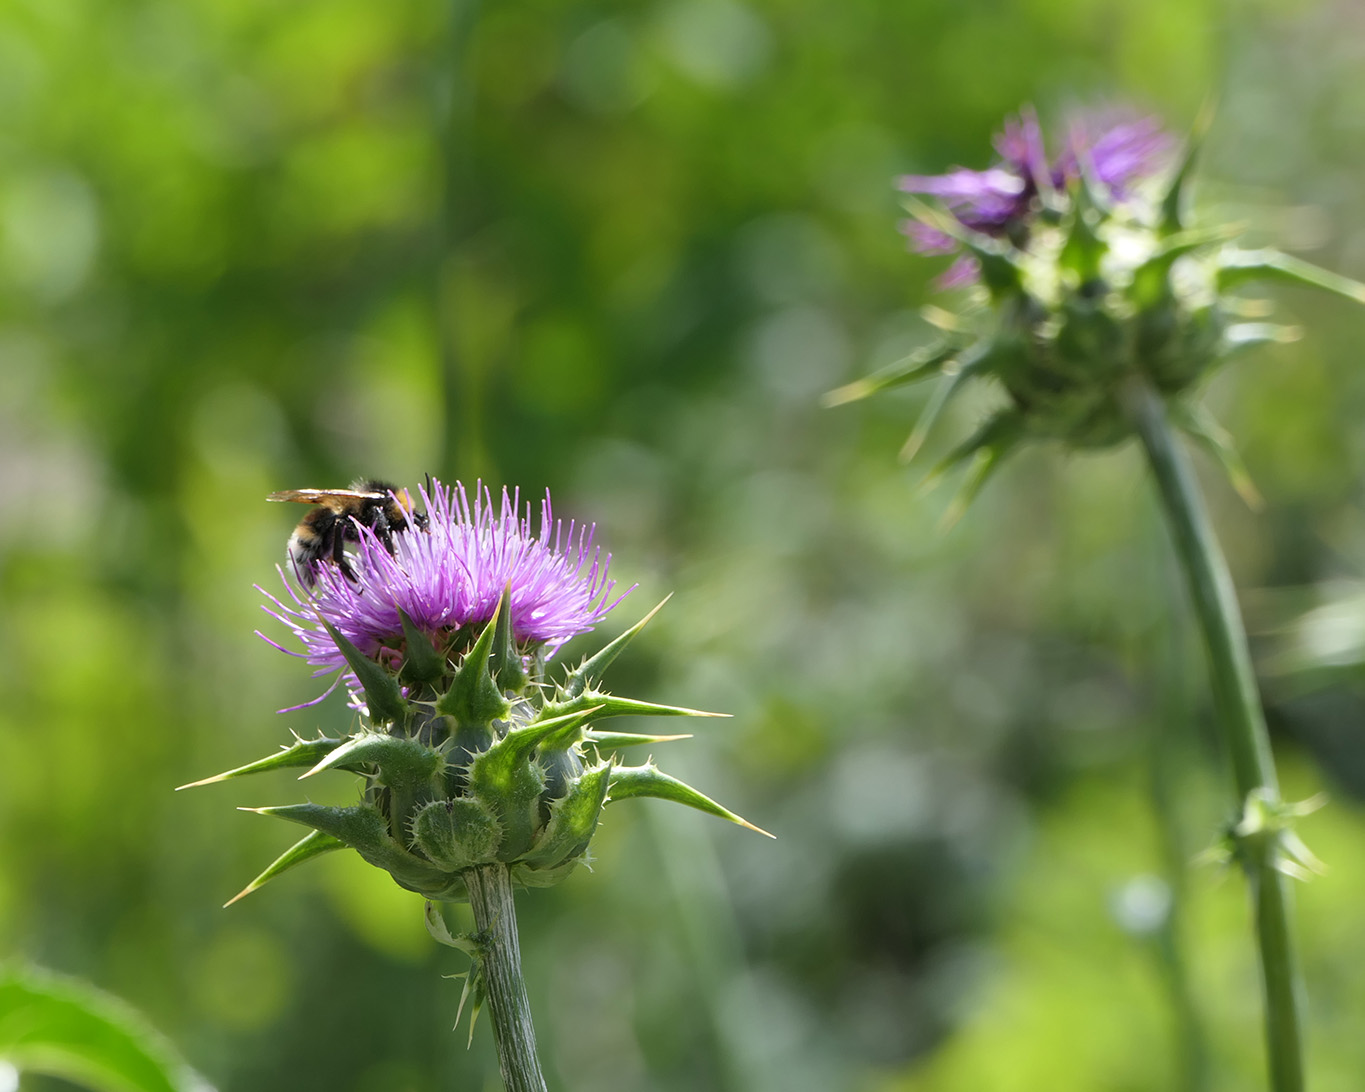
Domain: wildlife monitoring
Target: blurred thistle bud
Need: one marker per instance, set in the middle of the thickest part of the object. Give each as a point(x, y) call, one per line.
point(470, 757)
point(1089, 270)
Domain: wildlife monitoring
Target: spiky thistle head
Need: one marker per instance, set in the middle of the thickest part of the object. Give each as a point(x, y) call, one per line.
point(469, 755)
point(1089, 271)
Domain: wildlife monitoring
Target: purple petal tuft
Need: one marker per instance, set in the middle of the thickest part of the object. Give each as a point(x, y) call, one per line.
point(1120, 150)
point(451, 576)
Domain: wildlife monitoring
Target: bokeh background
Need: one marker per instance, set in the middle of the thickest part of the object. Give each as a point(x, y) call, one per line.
point(619, 250)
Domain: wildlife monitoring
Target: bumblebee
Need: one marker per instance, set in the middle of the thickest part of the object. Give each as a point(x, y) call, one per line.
point(340, 513)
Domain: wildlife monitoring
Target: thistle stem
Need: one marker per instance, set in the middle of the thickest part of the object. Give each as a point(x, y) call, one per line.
point(1244, 728)
point(495, 916)
point(1169, 752)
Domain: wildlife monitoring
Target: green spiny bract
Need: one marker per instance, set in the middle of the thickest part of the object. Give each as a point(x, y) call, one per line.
point(470, 759)
point(1080, 294)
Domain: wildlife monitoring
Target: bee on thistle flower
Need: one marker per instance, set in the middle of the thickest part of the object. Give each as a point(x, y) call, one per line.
point(478, 771)
point(470, 755)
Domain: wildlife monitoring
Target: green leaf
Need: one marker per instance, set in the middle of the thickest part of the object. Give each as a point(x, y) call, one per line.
point(558, 731)
point(505, 778)
point(69, 1029)
point(1237, 267)
point(1246, 335)
point(567, 736)
point(999, 434)
point(401, 760)
point(526, 876)
point(383, 696)
point(1083, 250)
point(313, 844)
point(921, 364)
point(591, 670)
point(440, 932)
point(421, 662)
point(984, 464)
point(474, 699)
point(649, 780)
point(505, 661)
point(1176, 202)
point(303, 752)
point(475, 984)
point(1199, 424)
point(363, 829)
point(974, 361)
point(1150, 279)
point(573, 819)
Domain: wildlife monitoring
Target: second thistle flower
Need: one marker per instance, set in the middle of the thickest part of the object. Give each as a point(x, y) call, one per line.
point(1091, 273)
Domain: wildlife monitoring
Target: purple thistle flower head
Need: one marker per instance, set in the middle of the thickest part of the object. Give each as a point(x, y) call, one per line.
point(982, 200)
point(1120, 150)
point(1003, 201)
point(1020, 146)
point(448, 579)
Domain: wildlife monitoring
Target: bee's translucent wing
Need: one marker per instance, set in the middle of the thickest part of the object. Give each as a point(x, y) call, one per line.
point(333, 498)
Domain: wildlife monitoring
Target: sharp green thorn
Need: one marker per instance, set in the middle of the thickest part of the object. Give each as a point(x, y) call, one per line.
point(1238, 266)
point(594, 666)
point(1174, 205)
point(933, 408)
point(313, 844)
point(304, 752)
point(983, 466)
point(649, 780)
point(609, 705)
point(206, 781)
point(1199, 424)
point(919, 365)
point(628, 739)
point(942, 319)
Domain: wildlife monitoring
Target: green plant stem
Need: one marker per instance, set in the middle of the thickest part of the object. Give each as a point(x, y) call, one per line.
point(1170, 747)
point(1239, 706)
point(495, 916)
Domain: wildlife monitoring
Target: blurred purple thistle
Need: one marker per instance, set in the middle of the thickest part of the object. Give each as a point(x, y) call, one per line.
point(450, 577)
point(1119, 150)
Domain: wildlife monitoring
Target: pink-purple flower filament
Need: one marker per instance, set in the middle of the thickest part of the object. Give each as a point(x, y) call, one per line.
point(449, 578)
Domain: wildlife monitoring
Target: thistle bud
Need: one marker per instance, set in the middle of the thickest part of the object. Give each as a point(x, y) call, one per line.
point(470, 756)
point(1089, 272)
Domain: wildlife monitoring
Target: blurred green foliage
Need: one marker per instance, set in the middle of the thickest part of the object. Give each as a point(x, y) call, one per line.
point(63, 1026)
point(618, 250)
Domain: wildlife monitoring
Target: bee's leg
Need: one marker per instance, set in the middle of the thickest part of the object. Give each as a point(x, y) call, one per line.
point(339, 549)
point(383, 530)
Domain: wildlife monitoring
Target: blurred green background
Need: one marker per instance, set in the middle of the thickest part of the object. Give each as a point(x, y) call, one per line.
point(619, 250)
